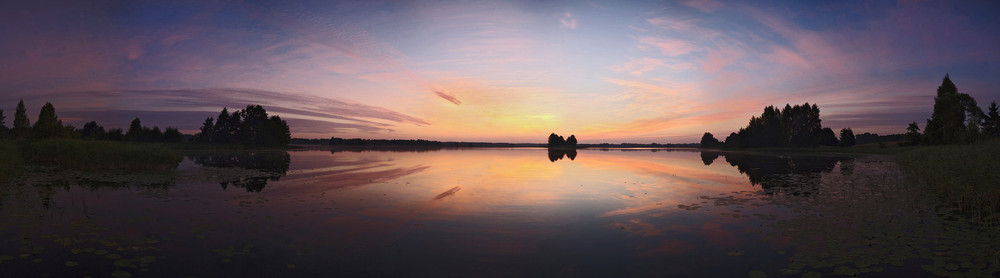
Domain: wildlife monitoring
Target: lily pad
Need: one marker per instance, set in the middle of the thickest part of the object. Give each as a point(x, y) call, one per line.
point(121, 274)
point(123, 262)
point(71, 263)
point(758, 274)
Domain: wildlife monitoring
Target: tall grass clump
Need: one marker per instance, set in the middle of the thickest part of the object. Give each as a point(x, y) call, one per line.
point(10, 160)
point(965, 176)
point(100, 155)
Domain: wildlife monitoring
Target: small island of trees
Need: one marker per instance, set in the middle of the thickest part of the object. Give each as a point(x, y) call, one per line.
point(556, 141)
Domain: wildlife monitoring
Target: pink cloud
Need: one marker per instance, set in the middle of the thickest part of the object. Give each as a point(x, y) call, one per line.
point(568, 21)
point(448, 97)
point(669, 47)
point(717, 60)
point(640, 66)
point(702, 5)
point(669, 22)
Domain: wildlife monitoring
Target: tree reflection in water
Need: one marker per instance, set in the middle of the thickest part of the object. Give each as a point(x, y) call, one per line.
point(776, 173)
point(272, 164)
point(557, 154)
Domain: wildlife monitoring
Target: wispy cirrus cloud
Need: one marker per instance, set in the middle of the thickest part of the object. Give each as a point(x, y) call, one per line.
point(448, 97)
point(668, 46)
point(186, 108)
point(702, 5)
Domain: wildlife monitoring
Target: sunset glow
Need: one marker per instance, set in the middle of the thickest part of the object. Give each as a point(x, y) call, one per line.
point(497, 71)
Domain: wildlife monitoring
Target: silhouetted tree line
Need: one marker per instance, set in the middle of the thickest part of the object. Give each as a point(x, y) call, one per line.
point(957, 118)
point(868, 138)
point(49, 125)
point(250, 127)
point(382, 142)
point(556, 141)
point(791, 126)
point(274, 164)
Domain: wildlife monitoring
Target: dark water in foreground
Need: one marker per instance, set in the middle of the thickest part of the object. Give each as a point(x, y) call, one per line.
point(487, 212)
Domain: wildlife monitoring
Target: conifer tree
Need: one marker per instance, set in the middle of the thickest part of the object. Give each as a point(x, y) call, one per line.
point(22, 126)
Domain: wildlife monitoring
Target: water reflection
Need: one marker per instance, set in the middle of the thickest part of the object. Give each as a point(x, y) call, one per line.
point(781, 172)
point(467, 212)
point(271, 164)
point(557, 154)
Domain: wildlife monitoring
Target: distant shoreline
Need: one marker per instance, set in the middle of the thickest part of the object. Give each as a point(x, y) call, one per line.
point(326, 142)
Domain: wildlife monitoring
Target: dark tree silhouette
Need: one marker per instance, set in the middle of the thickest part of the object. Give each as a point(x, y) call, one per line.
point(828, 138)
point(803, 125)
point(171, 134)
point(556, 140)
point(991, 124)
point(4, 131)
point(115, 134)
point(912, 135)
point(847, 137)
point(250, 127)
point(93, 131)
point(22, 126)
point(134, 132)
point(48, 124)
point(156, 135)
point(867, 138)
point(207, 132)
point(952, 109)
point(733, 141)
point(708, 141)
point(793, 126)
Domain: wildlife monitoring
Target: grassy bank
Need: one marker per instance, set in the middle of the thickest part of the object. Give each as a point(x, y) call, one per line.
point(99, 155)
point(10, 160)
point(967, 177)
point(873, 148)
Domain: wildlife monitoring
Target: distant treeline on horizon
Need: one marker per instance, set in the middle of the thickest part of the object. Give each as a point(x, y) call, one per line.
point(358, 142)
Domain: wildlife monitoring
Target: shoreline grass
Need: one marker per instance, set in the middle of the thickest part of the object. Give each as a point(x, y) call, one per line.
point(99, 155)
point(966, 177)
point(10, 160)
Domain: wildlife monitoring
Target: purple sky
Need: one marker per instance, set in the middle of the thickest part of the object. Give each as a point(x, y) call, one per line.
point(615, 71)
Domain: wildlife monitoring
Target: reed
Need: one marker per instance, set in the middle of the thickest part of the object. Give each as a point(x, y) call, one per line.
point(966, 177)
point(99, 155)
point(10, 160)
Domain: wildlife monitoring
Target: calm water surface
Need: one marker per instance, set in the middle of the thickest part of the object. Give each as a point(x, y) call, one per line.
point(477, 212)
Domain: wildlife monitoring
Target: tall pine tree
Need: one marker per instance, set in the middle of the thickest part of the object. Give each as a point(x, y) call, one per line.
point(22, 126)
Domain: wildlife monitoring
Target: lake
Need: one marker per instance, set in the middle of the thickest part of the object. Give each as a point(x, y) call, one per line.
point(488, 212)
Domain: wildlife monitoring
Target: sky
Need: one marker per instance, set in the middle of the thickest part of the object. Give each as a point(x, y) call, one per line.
point(496, 71)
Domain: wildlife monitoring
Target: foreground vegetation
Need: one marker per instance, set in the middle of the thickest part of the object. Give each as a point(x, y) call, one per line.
point(964, 176)
point(91, 155)
point(10, 160)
